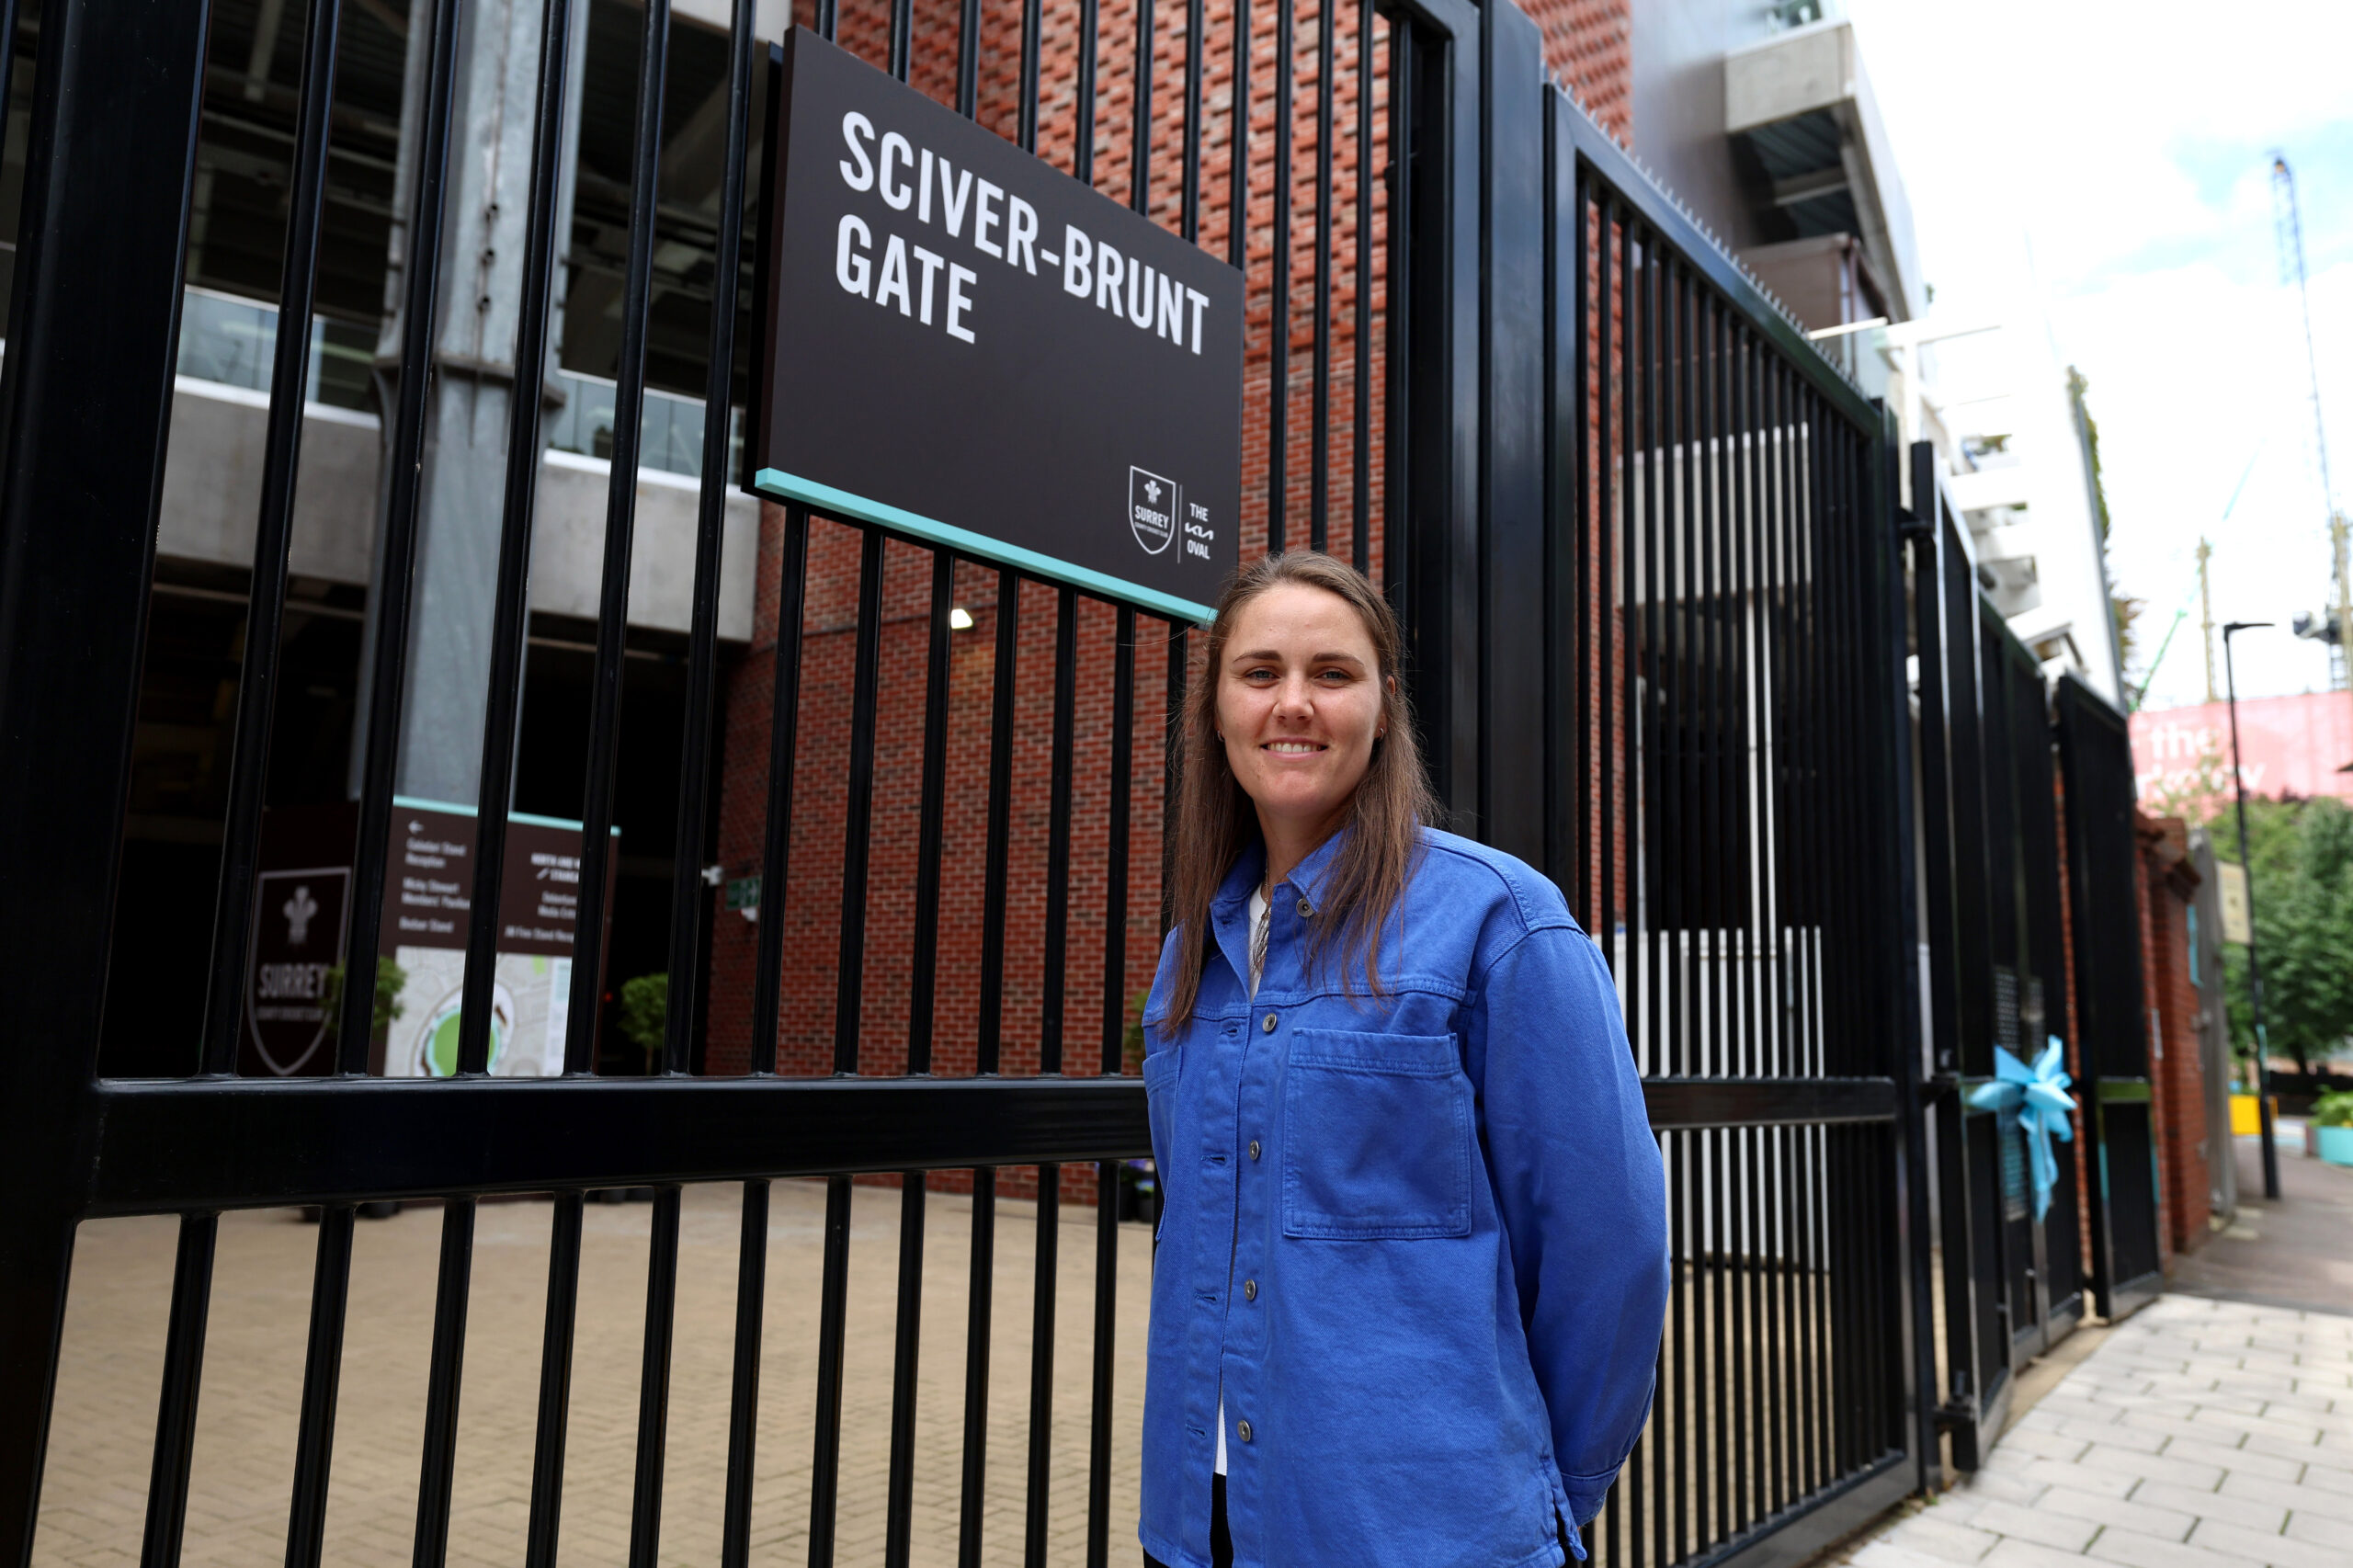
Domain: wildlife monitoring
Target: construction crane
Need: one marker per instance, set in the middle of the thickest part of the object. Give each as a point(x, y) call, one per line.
point(2335, 627)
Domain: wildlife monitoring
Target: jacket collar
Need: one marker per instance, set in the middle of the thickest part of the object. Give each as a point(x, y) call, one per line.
point(1307, 877)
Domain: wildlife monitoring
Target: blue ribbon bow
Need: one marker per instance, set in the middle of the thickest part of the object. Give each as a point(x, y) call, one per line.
point(2039, 1095)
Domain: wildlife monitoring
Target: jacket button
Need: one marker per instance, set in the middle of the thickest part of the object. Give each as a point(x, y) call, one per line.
point(1254, 1148)
point(1268, 1023)
point(1305, 909)
point(1249, 1289)
point(1243, 1431)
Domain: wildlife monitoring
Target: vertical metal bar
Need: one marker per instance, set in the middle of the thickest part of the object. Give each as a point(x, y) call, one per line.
point(1115, 848)
point(1237, 198)
point(85, 400)
point(857, 814)
point(1106, 1322)
point(829, 13)
point(1083, 99)
point(833, 1317)
point(438, 1473)
point(743, 1396)
point(930, 826)
point(1026, 128)
point(1057, 933)
point(1139, 147)
point(1573, 413)
point(968, 60)
point(690, 899)
point(620, 526)
point(776, 850)
point(1279, 296)
point(1642, 610)
point(1115, 1014)
point(898, 1511)
point(544, 1534)
point(511, 613)
point(1035, 1545)
point(396, 584)
point(1612, 603)
point(902, 36)
point(1172, 751)
point(653, 1379)
point(991, 1022)
point(1320, 493)
point(274, 530)
point(183, 1378)
point(1190, 211)
point(306, 1521)
point(981, 1296)
point(1360, 487)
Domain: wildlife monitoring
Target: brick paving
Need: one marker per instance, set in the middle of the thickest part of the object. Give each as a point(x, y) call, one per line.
point(2201, 1434)
point(95, 1487)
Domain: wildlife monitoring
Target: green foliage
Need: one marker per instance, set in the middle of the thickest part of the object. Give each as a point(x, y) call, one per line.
point(645, 1008)
point(2334, 1110)
point(2302, 887)
point(1132, 1039)
point(390, 978)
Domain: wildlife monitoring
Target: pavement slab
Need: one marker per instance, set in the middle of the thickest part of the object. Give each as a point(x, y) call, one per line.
point(2230, 1475)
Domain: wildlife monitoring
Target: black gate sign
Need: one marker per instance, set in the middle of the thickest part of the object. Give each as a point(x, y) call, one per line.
point(963, 343)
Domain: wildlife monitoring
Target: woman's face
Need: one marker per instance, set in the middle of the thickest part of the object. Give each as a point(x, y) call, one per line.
point(1299, 704)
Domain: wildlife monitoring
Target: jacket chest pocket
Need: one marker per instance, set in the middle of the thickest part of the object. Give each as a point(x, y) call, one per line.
point(1376, 1137)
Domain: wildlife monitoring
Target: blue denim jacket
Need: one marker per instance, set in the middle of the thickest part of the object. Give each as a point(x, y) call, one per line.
point(1418, 1238)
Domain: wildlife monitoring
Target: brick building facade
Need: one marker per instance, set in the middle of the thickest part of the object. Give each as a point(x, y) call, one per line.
point(2176, 1071)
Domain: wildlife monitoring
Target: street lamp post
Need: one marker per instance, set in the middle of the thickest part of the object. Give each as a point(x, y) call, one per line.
point(2254, 969)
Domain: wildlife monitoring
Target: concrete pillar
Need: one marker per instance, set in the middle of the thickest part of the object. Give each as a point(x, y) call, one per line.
point(473, 376)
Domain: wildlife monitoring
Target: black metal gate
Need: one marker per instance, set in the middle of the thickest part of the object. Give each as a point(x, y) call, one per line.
point(2012, 1283)
point(116, 116)
point(1689, 598)
point(1642, 536)
point(2103, 886)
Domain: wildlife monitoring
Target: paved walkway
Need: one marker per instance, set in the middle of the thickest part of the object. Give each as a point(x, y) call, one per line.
point(2203, 1434)
point(95, 1487)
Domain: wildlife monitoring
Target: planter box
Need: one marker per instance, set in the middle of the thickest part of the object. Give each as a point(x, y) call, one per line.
point(2335, 1145)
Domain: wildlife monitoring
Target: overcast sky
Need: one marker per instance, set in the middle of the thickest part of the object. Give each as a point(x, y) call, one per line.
point(2106, 166)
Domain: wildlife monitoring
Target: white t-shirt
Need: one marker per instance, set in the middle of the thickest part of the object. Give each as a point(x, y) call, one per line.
point(1258, 966)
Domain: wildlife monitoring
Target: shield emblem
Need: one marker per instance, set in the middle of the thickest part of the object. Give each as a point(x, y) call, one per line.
point(298, 936)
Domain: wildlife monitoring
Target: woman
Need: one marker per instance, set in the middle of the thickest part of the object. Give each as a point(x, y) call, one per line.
point(1412, 1266)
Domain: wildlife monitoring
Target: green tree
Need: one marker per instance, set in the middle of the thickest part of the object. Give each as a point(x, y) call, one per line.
point(2302, 877)
point(390, 978)
point(645, 1009)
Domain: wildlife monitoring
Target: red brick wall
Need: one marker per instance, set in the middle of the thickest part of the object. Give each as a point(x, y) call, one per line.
point(2168, 884)
point(1589, 45)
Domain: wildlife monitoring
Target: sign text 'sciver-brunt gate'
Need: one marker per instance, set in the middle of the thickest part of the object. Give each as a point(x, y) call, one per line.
point(963, 343)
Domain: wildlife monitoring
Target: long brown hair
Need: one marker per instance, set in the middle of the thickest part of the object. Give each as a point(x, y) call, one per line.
point(1216, 821)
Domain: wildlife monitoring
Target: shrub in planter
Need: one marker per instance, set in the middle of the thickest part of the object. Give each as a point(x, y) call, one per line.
point(2333, 1127)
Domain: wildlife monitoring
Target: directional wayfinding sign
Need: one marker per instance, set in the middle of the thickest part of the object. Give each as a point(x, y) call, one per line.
point(963, 343)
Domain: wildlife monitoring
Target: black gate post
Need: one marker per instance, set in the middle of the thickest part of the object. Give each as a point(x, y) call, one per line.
point(2096, 759)
point(1511, 791)
point(1911, 1068)
point(1433, 567)
point(84, 409)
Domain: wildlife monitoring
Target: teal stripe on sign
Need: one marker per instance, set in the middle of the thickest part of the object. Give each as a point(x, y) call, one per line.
point(783, 487)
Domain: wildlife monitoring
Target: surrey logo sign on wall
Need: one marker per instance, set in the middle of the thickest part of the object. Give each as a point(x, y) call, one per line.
point(963, 343)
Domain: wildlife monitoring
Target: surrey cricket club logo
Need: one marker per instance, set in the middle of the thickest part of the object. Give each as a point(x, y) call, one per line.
point(298, 926)
point(1151, 510)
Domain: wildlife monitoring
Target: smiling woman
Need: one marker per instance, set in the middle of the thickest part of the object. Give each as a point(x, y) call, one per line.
point(1460, 1278)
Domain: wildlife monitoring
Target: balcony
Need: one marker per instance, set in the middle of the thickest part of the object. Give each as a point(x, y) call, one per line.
point(212, 477)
